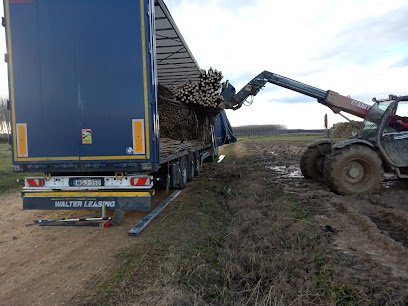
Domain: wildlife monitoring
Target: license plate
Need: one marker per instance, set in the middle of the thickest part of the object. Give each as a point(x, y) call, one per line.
point(91, 182)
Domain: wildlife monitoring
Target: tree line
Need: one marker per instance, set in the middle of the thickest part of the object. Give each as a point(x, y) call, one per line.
point(5, 127)
point(260, 130)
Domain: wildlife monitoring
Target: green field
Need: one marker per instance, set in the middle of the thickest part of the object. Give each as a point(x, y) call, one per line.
point(300, 136)
point(8, 179)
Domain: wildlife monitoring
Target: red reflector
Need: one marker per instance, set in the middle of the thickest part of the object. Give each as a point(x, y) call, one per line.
point(35, 182)
point(138, 181)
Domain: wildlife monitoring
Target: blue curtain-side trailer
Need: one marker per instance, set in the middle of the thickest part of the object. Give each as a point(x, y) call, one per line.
point(83, 103)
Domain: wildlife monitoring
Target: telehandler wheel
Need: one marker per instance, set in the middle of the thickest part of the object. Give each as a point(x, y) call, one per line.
point(355, 169)
point(183, 173)
point(312, 161)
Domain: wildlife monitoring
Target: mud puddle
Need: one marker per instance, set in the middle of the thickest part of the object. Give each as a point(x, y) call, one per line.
point(287, 171)
point(371, 230)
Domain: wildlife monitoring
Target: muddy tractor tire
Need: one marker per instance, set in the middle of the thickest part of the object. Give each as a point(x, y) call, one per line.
point(312, 161)
point(355, 169)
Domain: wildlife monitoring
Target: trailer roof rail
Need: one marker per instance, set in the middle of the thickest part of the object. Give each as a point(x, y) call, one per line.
point(175, 61)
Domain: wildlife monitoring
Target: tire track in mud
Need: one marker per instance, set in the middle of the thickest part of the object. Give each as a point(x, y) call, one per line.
point(391, 220)
point(382, 251)
point(388, 213)
point(372, 229)
point(395, 233)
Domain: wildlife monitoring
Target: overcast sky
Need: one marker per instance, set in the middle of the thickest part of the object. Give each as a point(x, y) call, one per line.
point(355, 47)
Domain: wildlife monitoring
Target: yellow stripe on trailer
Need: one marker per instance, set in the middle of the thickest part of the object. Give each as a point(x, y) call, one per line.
point(48, 158)
point(142, 16)
point(22, 147)
point(112, 157)
point(10, 63)
point(138, 136)
point(81, 194)
point(82, 158)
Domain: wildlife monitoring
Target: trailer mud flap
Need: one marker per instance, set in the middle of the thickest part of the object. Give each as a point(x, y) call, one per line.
point(59, 200)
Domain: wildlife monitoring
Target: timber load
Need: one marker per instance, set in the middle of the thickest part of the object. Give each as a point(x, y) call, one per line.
point(187, 113)
point(204, 93)
point(182, 127)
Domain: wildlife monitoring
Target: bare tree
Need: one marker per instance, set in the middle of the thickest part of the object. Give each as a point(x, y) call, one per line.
point(5, 126)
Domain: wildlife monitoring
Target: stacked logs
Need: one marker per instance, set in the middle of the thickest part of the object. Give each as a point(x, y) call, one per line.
point(171, 146)
point(175, 119)
point(180, 125)
point(205, 93)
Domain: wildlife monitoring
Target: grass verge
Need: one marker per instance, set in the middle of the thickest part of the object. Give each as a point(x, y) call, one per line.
point(233, 238)
point(8, 179)
point(179, 260)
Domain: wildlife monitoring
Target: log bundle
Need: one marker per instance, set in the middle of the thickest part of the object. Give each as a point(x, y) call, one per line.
point(182, 127)
point(204, 93)
point(171, 146)
point(187, 113)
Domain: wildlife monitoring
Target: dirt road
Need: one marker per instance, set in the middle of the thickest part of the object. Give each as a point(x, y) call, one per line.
point(52, 265)
point(270, 253)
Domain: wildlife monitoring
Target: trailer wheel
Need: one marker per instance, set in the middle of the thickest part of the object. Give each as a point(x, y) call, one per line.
point(174, 174)
point(183, 173)
point(312, 161)
point(353, 170)
point(197, 163)
point(191, 167)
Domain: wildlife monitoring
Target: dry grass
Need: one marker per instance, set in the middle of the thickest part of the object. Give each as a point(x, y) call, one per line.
point(233, 239)
point(272, 244)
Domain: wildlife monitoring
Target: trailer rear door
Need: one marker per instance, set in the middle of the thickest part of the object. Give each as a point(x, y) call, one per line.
point(79, 88)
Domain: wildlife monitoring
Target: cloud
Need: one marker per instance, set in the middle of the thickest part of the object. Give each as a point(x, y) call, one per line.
point(356, 48)
point(234, 6)
point(293, 100)
point(240, 77)
point(400, 63)
point(368, 39)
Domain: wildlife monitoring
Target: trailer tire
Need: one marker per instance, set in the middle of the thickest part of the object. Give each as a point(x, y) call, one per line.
point(355, 169)
point(183, 173)
point(312, 161)
point(191, 167)
point(197, 164)
point(175, 175)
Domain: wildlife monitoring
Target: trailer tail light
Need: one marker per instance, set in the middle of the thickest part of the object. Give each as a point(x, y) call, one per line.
point(34, 182)
point(144, 181)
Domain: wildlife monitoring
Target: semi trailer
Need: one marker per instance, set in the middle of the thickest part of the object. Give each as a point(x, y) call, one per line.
point(83, 100)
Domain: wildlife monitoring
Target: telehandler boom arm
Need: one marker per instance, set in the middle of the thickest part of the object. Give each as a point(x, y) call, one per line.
point(331, 99)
